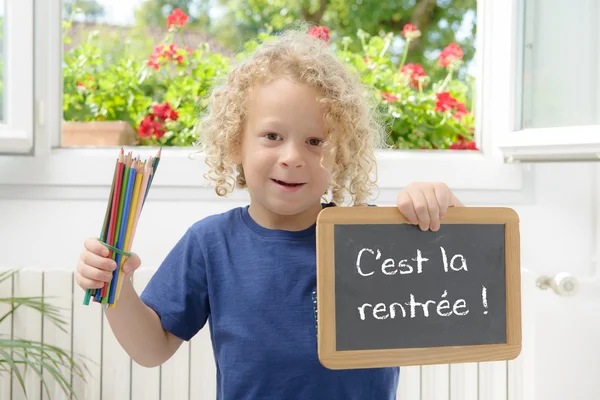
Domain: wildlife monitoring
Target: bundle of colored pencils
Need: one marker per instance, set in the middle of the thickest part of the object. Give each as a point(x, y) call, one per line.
point(131, 182)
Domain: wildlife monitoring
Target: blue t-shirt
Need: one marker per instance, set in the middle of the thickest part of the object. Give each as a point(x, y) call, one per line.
point(255, 287)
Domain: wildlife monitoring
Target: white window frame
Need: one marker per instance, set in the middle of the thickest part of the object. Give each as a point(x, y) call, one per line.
point(16, 129)
point(568, 143)
point(477, 176)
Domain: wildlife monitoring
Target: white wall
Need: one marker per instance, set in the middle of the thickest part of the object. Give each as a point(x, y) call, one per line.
point(557, 221)
point(558, 212)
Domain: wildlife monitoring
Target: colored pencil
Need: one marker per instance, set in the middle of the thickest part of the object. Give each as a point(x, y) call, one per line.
point(122, 231)
point(111, 227)
point(89, 292)
point(142, 180)
point(129, 190)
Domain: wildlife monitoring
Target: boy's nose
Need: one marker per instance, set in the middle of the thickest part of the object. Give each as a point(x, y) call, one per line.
point(291, 157)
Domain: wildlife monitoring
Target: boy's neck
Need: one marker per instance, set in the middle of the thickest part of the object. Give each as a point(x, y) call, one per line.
point(297, 222)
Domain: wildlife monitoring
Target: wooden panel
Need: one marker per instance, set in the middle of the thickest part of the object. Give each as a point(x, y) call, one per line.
point(87, 342)
point(145, 382)
point(470, 381)
point(58, 291)
point(116, 364)
point(6, 291)
point(203, 370)
point(492, 380)
point(514, 380)
point(175, 375)
point(328, 355)
point(435, 381)
point(409, 387)
point(27, 324)
point(463, 381)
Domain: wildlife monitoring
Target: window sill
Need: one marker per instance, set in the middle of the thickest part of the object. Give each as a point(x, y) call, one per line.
point(87, 174)
point(577, 143)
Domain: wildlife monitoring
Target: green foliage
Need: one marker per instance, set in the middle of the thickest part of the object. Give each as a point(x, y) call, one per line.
point(162, 94)
point(154, 12)
point(440, 21)
point(97, 88)
point(115, 84)
point(411, 113)
point(237, 21)
point(185, 87)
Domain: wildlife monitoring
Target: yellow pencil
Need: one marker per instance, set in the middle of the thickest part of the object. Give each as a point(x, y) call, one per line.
point(128, 233)
point(138, 200)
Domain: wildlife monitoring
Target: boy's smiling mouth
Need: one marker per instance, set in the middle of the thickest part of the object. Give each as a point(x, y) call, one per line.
point(288, 185)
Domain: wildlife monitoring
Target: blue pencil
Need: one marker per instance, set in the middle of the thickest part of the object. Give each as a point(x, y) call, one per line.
point(120, 243)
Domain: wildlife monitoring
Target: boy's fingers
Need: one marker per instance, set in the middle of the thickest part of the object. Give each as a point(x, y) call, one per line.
point(96, 261)
point(94, 245)
point(405, 205)
point(455, 202)
point(93, 273)
point(434, 209)
point(421, 208)
point(132, 263)
point(86, 283)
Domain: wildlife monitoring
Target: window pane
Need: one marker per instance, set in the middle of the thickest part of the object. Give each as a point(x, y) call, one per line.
point(423, 73)
point(561, 71)
point(2, 61)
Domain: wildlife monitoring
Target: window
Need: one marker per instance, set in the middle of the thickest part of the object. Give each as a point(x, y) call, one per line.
point(16, 76)
point(2, 62)
point(558, 107)
point(428, 106)
point(470, 171)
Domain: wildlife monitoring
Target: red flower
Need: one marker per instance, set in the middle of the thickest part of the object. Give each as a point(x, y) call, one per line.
point(445, 102)
point(411, 32)
point(451, 53)
point(320, 32)
point(388, 97)
point(149, 127)
point(153, 63)
point(164, 112)
point(153, 123)
point(415, 72)
point(165, 53)
point(177, 18)
point(464, 145)
point(461, 111)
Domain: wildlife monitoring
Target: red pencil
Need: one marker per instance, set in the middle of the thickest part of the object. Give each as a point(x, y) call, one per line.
point(113, 220)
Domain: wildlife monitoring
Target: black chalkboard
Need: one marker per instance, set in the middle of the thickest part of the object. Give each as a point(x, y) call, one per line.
point(389, 294)
point(384, 274)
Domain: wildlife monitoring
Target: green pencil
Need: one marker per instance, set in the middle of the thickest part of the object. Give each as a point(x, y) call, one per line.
point(118, 228)
point(88, 292)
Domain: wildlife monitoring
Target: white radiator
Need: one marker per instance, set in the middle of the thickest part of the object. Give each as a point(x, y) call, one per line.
point(190, 373)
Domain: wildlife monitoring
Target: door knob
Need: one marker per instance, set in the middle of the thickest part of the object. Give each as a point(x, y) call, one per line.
point(563, 284)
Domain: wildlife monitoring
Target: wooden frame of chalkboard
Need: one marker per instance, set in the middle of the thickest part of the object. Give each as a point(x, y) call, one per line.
point(339, 344)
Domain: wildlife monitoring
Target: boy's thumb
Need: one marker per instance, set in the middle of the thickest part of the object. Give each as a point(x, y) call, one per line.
point(131, 264)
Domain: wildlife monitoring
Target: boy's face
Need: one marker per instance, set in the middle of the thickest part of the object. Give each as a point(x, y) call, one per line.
point(286, 166)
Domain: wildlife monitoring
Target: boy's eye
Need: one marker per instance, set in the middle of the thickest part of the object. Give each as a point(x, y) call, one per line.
point(315, 142)
point(272, 136)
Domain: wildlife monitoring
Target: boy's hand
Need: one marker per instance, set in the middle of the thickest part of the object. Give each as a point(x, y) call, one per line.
point(426, 204)
point(95, 268)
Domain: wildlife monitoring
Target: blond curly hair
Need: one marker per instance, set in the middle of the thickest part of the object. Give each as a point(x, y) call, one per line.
point(354, 128)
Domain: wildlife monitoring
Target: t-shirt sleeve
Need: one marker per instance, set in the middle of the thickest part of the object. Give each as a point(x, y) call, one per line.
point(178, 290)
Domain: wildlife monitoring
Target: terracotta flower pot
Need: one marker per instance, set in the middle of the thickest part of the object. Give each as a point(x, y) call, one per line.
point(98, 134)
